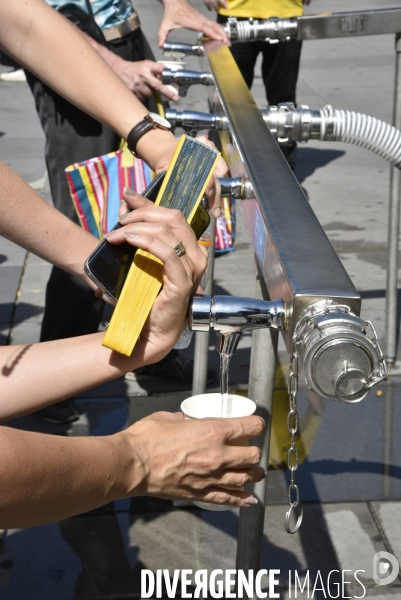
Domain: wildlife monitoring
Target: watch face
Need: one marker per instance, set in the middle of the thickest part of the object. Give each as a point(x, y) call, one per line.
point(159, 120)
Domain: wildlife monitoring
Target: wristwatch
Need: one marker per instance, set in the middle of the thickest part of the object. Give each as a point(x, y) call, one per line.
point(149, 122)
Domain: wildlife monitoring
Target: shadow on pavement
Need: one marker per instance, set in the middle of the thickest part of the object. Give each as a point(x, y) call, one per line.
point(311, 159)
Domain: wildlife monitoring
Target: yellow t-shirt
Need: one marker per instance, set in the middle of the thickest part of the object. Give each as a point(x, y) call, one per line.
point(263, 9)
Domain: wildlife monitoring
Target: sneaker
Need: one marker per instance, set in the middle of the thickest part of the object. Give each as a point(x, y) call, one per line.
point(62, 413)
point(16, 75)
point(173, 367)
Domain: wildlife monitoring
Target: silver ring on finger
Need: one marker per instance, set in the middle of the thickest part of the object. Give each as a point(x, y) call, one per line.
point(180, 249)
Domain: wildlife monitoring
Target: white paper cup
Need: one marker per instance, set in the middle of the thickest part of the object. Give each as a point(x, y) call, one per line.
point(211, 405)
point(173, 65)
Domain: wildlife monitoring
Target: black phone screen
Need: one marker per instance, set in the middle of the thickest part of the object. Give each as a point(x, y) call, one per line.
point(108, 265)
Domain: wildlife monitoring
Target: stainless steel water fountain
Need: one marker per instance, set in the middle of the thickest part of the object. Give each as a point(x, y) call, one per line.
point(302, 288)
point(325, 26)
point(231, 316)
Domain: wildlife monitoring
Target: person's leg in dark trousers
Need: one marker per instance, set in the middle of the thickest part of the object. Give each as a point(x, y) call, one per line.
point(71, 136)
point(7, 61)
point(280, 69)
point(245, 55)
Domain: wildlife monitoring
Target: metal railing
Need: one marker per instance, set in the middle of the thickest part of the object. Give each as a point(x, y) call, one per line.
point(316, 27)
point(316, 290)
point(294, 259)
point(343, 25)
point(328, 26)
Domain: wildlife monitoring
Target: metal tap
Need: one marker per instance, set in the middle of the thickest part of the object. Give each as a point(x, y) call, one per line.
point(179, 50)
point(231, 316)
point(236, 187)
point(193, 121)
point(272, 30)
point(286, 122)
point(185, 78)
point(239, 188)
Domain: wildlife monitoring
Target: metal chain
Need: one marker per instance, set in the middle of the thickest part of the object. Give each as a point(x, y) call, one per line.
point(383, 374)
point(292, 455)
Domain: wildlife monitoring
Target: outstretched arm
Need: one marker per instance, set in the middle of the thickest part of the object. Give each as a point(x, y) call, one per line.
point(46, 478)
point(47, 44)
point(30, 376)
point(50, 46)
point(29, 221)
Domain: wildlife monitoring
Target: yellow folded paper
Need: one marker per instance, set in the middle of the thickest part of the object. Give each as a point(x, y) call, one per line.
point(183, 187)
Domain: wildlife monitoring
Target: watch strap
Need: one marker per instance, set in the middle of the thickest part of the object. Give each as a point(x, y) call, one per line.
point(137, 132)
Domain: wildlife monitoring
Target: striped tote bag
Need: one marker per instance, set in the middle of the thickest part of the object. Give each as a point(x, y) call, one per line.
point(225, 227)
point(96, 186)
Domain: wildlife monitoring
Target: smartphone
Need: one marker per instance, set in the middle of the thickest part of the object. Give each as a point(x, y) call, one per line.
point(108, 265)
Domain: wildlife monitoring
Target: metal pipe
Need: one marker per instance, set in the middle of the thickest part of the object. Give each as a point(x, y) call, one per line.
point(314, 27)
point(193, 121)
point(261, 390)
point(230, 314)
point(388, 439)
point(291, 124)
point(349, 24)
point(185, 78)
point(178, 50)
point(340, 359)
point(271, 30)
point(201, 354)
point(394, 225)
point(236, 187)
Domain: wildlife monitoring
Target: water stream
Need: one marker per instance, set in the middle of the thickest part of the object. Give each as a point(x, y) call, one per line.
point(226, 400)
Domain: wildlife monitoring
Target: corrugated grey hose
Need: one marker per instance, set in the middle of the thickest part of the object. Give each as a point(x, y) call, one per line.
point(362, 130)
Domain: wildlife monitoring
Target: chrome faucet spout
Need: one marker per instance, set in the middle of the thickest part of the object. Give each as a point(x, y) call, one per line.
point(231, 316)
point(179, 50)
point(227, 343)
point(184, 78)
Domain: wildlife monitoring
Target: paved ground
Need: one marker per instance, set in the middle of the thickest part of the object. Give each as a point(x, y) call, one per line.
point(350, 477)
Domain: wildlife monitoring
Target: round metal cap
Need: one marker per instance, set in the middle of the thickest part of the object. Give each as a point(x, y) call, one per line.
point(341, 369)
